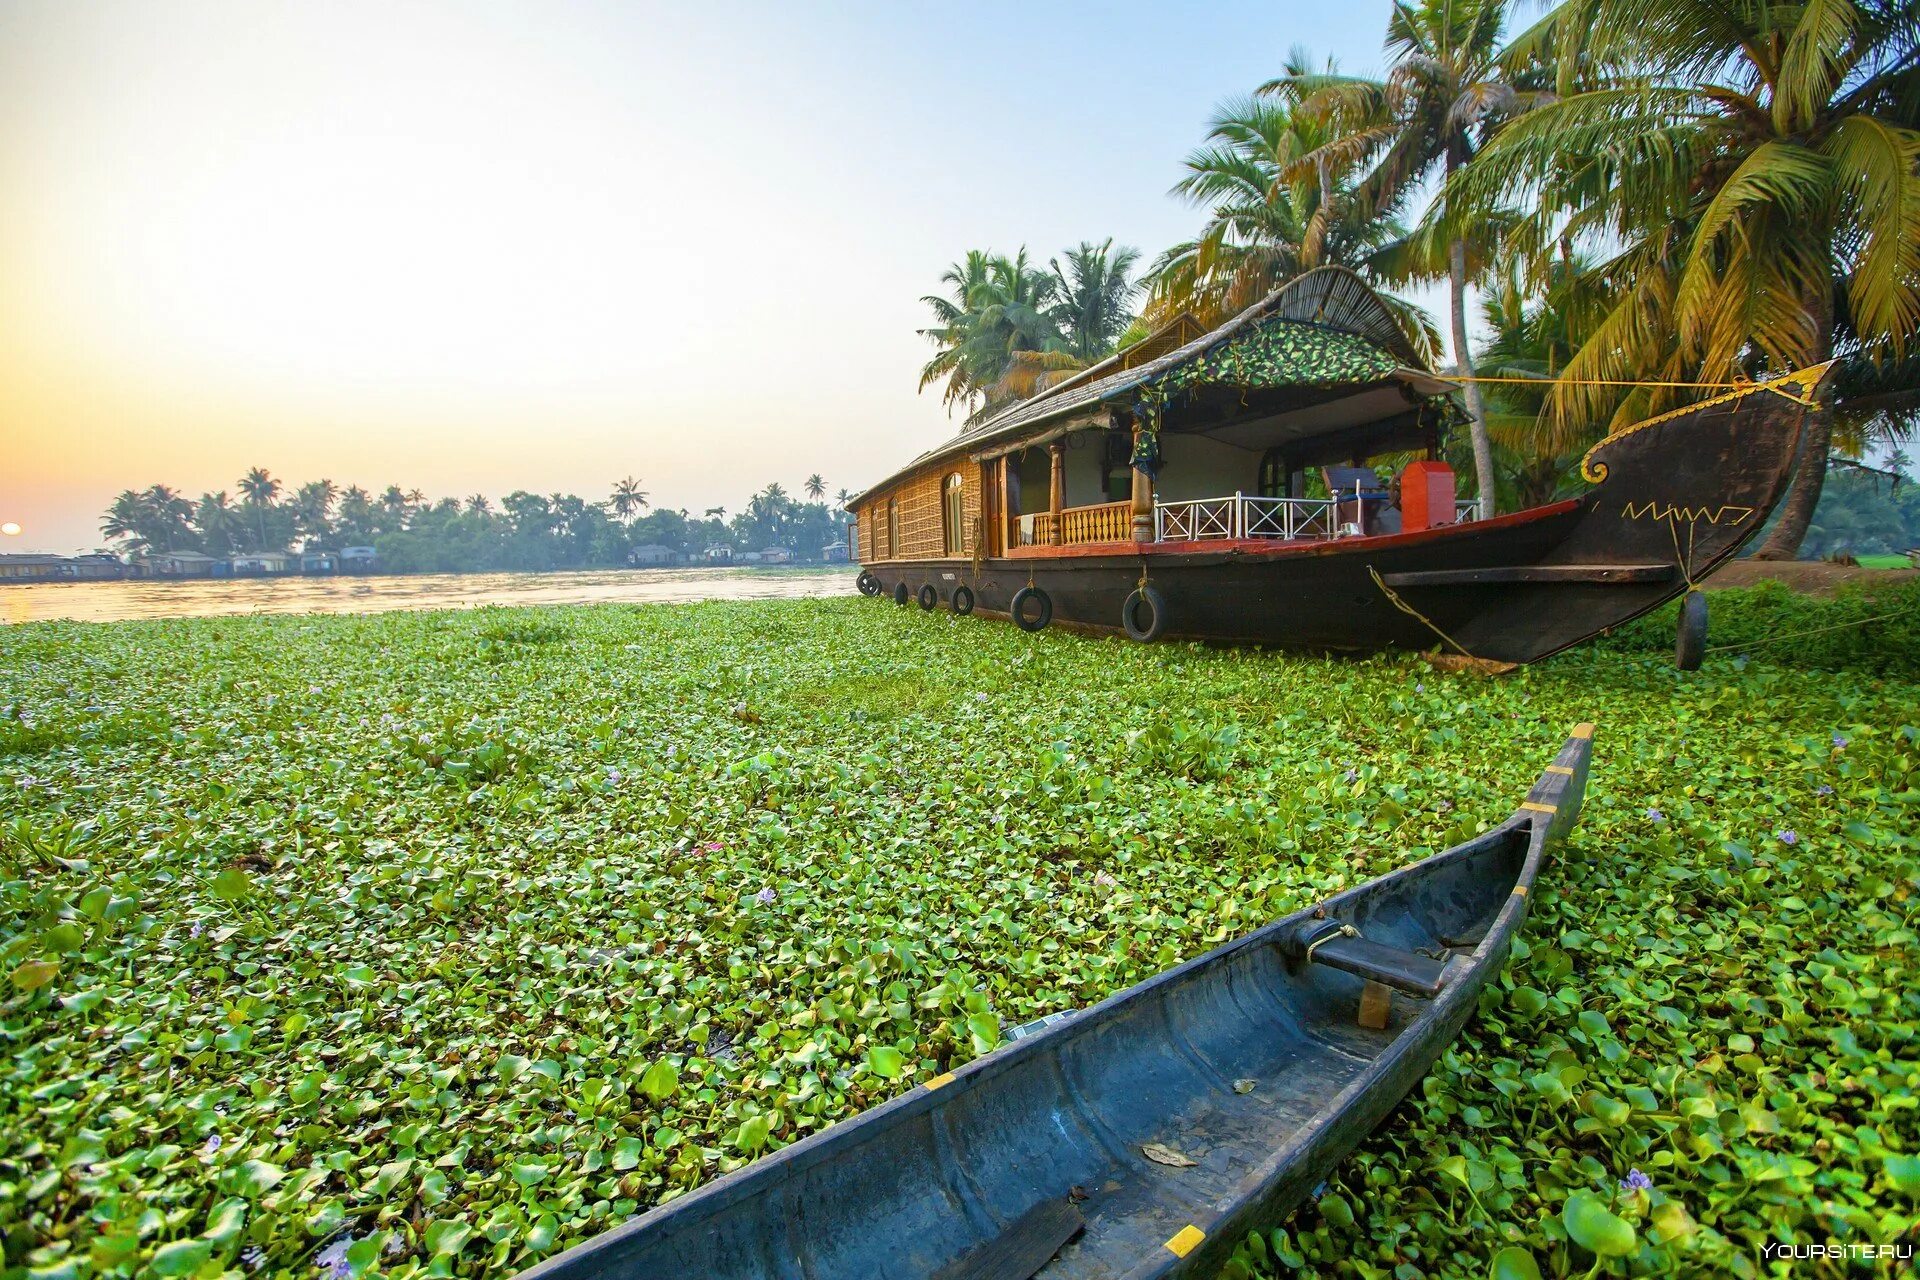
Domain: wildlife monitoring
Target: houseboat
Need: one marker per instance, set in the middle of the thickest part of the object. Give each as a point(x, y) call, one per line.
point(1227, 485)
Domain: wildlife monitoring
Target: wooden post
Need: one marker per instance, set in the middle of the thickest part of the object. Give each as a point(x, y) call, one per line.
point(1142, 498)
point(1057, 491)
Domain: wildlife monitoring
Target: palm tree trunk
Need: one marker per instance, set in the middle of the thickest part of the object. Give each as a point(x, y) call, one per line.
point(1463, 364)
point(1809, 478)
point(1810, 461)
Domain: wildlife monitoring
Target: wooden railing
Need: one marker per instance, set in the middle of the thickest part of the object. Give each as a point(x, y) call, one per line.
point(1106, 522)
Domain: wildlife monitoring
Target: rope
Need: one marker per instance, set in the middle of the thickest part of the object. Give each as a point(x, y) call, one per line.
point(1774, 386)
point(1681, 559)
point(1406, 608)
point(1344, 931)
point(1814, 631)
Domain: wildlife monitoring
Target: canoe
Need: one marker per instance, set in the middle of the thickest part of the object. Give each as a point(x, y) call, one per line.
point(1250, 1071)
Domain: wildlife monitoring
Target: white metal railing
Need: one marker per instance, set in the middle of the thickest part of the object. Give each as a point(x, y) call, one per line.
point(1465, 509)
point(1241, 516)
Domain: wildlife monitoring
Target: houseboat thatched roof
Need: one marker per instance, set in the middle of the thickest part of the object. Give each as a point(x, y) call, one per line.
point(1325, 331)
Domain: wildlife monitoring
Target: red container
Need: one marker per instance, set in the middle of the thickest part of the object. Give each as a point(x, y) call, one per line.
point(1426, 495)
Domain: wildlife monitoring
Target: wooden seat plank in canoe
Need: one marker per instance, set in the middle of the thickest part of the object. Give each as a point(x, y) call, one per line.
point(1145, 1136)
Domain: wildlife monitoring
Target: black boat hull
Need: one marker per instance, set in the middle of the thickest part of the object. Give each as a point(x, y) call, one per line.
point(918, 1187)
point(1673, 498)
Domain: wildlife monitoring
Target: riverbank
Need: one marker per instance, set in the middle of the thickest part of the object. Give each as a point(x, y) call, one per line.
point(438, 941)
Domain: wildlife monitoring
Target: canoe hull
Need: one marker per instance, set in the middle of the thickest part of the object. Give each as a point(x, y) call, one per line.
point(1672, 499)
point(913, 1188)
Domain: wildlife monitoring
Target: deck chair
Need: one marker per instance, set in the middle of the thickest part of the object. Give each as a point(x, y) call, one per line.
point(1355, 490)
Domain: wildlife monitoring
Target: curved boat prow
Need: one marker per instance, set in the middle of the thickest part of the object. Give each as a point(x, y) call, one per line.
point(1555, 800)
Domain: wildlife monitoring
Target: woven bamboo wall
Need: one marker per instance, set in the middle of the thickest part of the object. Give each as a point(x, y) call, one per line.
point(922, 526)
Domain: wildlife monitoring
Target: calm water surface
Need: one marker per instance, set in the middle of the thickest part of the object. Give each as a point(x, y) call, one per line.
point(116, 601)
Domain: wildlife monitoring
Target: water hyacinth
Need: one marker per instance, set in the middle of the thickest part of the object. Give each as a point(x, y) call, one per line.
point(1787, 837)
point(459, 979)
point(1654, 815)
point(332, 1260)
point(1636, 1181)
point(766, 896)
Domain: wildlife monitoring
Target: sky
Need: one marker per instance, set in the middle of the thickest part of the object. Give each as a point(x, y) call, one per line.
point(478, 247)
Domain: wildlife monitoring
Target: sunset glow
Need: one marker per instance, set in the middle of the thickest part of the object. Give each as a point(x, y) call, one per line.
point(493, 247)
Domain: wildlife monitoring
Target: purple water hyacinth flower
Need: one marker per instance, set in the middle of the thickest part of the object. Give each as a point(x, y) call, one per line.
point(766, 896)
point(1636, 1181)
point(1654, 815)
point(1823, 790)
point(1788, 836)
point(1420, 688)
point(1839, 743)
point(213, 1143)
point(332, 1260)
point(1350, 775)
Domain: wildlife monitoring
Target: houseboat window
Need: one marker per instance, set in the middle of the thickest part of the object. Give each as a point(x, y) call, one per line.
point(893, 529)
point(1116, 469)
point(953, 500)
point(1273, 475)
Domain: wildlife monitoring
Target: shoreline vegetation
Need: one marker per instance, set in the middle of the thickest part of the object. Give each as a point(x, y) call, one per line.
point(423, 944)
point(406, 532)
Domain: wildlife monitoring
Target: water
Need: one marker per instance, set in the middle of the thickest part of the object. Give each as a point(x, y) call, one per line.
point(215, 597)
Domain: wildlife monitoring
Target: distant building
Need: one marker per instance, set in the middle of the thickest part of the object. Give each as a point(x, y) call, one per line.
point(719, 553)
point(319, 562)
point(359, 559)
point(175, 564)
point(748, 557)
point(652, 553)
point(262, 564)
point(776, 555)
point(835, 553)
point(96, 565)
point(31, 567)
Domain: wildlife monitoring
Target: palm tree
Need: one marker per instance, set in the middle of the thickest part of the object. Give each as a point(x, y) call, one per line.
point(125, 518)
point(995, 307)
point(716, 513)
point(1095, 297)
point(1753, 172)
point(357, 517)
point(217, 522)
point(1266, 223)
point(816, 487)
point(1531, 337)
point(313, 510)
point(478, 504)
point(627, 498)
point(394, 505)
point(166, 514)
point(260, 490)
point(1431, 113)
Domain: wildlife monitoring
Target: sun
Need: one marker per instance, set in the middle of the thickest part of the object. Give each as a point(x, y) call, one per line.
point(11, 529)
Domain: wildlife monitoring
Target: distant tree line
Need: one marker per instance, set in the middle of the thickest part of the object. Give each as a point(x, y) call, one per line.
point(524, 530)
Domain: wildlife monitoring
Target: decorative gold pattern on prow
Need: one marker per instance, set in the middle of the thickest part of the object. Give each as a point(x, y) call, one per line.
point(1733, 513)
point(1796, 386)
